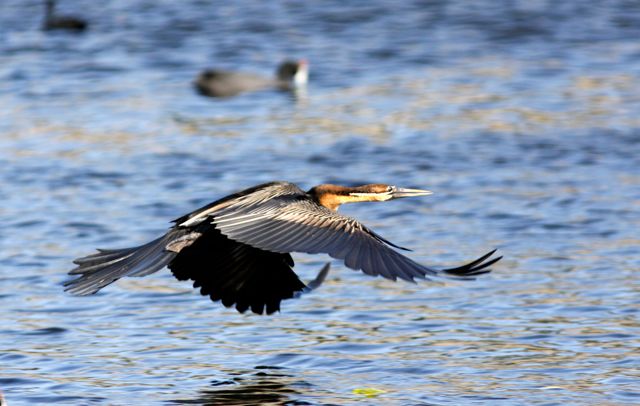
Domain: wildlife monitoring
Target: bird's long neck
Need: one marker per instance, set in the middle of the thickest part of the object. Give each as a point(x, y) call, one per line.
point(330, 201)
point(332, 196)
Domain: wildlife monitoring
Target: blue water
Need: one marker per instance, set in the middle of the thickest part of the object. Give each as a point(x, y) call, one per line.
point(522, 117)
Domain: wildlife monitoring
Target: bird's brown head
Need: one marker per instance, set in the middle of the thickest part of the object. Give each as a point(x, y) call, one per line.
point(332, 196)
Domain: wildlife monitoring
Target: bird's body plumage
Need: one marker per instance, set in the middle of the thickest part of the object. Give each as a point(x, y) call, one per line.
point(61, 22)
point(237, 249)
point(224, 83)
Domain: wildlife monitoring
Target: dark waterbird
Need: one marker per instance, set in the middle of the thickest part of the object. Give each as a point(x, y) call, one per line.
point(237, 249)
point(59, 22)
point(221, 83)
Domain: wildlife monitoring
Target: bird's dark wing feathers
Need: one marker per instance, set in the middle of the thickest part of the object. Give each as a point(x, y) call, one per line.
point(296, 224)
point(239, 274)
point(274, 188)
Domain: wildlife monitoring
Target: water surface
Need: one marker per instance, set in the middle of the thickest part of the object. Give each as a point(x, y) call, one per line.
point(522, 117)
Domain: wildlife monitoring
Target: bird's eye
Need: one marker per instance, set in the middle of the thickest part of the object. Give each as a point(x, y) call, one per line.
point(390, 189)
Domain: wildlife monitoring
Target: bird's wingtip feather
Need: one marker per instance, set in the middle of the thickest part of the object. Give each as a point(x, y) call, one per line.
point(473, 268)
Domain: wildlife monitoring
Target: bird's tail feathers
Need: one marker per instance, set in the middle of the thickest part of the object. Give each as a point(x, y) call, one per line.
point(107, 266)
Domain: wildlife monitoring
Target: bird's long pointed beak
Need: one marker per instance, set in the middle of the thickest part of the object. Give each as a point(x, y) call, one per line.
point(402, 192)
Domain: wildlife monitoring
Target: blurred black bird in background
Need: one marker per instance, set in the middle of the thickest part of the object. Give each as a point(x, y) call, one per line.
point(220, 83)
point(54, 22)
point(237, 249)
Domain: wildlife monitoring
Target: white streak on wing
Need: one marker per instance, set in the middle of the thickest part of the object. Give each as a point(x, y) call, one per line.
point(198, 218)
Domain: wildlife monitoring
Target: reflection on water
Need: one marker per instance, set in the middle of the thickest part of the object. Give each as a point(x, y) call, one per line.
point(523, 123)
point(262, 388)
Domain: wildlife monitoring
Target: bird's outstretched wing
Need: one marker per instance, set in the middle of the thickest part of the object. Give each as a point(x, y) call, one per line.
point(295, 223)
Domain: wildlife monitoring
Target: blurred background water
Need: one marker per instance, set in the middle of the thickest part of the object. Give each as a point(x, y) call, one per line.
point(522, 116)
